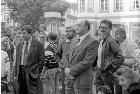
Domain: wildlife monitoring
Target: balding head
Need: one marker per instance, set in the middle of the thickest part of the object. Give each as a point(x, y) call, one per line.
point(83, 27)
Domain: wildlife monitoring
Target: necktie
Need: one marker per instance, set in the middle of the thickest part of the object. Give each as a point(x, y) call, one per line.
point(76, 44)
point(25, 54)
point(99, 64)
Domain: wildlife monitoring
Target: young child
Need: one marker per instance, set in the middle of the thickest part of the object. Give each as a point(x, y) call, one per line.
point(104, 90)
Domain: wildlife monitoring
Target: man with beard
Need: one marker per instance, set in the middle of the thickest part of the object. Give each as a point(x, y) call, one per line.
point(82, 55)
point(62, 54)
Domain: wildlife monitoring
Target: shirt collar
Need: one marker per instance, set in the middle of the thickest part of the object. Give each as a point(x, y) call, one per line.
point(29, 41)
point(82, 37)
point(67, 40)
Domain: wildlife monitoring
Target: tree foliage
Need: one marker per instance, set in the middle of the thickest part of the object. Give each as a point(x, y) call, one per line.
point(32, 11)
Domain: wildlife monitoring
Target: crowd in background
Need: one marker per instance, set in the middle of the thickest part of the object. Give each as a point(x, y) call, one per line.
point(127, 75)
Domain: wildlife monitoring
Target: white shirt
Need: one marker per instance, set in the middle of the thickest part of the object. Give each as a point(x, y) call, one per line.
point(67, 40)
point(29, 44)
point(99, 54)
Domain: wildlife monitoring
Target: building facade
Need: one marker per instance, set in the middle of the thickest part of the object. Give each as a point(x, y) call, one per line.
point(122, 13)
point(71, 15)
point(5, 12)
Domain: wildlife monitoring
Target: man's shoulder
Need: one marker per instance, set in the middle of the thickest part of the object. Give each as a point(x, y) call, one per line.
point(92, 41)
point(110, 39)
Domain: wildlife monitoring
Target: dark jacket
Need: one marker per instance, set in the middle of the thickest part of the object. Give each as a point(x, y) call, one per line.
point(111, 54)
point(134, 88)
point(35, 59)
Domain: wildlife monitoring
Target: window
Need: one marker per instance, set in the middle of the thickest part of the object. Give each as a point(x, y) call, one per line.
point(119, 5)
point(82, 5)
point(135, 4)
point(104, 5)
point(134, 30)
point(6, 17)
point(3, 1)
point(90, 6)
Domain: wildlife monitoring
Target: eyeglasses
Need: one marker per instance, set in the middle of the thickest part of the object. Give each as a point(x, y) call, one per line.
point(104, 28)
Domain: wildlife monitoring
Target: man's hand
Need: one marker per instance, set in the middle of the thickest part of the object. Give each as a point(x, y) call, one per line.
point(67, 71)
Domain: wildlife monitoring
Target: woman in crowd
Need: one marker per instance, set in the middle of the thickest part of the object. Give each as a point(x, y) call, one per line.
point(5, 66)
point(50, 66)
point(42, 28)
point(128, 50)
point(129, 80)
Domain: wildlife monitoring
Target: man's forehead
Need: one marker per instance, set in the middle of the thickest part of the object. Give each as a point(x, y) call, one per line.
point(80, 22)
point(104, 24)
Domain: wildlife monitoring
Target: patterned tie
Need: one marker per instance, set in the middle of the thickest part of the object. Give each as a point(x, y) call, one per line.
point(76, 44)
point(25, 54)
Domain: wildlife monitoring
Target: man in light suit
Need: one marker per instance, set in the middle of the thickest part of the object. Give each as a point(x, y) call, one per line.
point(83, 54)
point(29, 59)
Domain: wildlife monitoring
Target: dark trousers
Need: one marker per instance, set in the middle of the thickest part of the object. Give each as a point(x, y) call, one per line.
point(104, 79)
point(118, 88)
point(63, 80)
point(22, 80)
point(69, 85)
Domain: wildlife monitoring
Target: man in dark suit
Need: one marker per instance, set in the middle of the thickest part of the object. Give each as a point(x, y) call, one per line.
point(62, 54)
point(83, 54)
point(29, 59)
point(109, 56)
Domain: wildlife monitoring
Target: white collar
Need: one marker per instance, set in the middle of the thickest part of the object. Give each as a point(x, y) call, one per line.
point(29, 41)
point(82, 37)
point(67, 40)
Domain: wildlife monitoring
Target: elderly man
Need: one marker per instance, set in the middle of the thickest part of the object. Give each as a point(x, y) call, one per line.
point(109, 56)
point(29, 57)
point(82, 55)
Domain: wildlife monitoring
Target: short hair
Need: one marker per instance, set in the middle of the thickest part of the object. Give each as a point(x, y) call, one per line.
point(27, 28)
point(128, 74)
point(122, 32)
point(52, 36)
point(107, 22)
point(71, 28)
point(105, 89)
point(87, 24)
point(43, 33)
point(43, 26)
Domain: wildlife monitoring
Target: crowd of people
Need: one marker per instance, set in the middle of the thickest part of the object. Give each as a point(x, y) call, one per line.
point(38, 62)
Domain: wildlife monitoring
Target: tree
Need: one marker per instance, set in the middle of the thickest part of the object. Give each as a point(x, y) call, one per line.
point(32, 11)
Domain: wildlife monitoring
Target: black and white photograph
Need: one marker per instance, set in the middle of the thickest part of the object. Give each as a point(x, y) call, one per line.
point(70, 47)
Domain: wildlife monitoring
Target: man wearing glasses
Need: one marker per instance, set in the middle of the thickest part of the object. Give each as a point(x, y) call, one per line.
point(109, 56)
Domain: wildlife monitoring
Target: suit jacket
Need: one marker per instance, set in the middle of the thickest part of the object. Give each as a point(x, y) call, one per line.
point(111, 57)
point(62, 53)
point(81, 61)
point(35, 58)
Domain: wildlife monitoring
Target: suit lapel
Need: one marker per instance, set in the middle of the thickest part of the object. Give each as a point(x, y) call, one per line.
point(33, 44)
point(80, 47)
